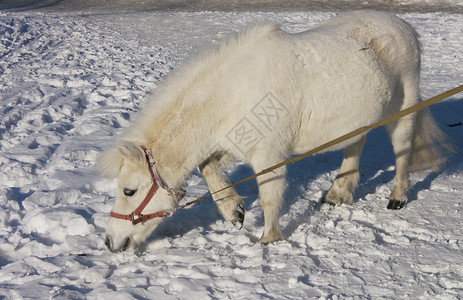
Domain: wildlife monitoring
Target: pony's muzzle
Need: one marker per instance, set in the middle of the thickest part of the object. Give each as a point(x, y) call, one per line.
point(110, 244)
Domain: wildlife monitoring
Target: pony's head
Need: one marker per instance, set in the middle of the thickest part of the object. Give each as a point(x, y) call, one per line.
point(128, 163)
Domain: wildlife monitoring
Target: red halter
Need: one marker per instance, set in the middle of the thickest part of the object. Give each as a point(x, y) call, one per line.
point(136, 216)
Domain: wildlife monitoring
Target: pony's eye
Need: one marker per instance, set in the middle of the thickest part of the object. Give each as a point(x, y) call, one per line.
point(129, 192)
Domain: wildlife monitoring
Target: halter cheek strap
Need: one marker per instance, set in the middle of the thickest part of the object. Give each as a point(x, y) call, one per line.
point(136, 216)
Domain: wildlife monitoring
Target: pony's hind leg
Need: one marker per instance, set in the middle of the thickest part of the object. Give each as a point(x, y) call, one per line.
point(401, 134)
point(229, 203)
point(344, 185)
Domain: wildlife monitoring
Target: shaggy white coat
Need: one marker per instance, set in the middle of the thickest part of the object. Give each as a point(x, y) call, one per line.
point(264, 95)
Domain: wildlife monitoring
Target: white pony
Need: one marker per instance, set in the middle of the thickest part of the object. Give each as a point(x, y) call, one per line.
point(260, 97)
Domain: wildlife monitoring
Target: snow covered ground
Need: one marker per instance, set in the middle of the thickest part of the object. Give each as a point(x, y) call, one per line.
point(70, 82)
point(453, 6)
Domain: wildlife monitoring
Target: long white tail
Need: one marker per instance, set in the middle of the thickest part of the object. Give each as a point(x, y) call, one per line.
point(430, 146)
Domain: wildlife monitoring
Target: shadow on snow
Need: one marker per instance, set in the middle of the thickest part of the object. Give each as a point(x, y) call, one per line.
point(377, 155)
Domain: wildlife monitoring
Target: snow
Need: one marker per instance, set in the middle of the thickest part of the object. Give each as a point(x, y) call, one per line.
point(70, 82)
point(105, 6)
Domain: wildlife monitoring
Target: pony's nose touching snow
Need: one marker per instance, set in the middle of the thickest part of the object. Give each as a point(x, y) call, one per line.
point(260, 97)
point(109, 244)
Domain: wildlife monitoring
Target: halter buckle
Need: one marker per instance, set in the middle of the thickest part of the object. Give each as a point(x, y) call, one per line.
point(136, 218)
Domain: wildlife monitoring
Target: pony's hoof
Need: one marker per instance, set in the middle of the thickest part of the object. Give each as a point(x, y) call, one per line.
point(336, 198)
point(395, 204)
point(328, 200)
point(271, 238)
point(238, 217)
point(331, 204)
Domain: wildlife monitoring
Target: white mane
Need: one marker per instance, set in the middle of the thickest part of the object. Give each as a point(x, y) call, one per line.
point(172, 96)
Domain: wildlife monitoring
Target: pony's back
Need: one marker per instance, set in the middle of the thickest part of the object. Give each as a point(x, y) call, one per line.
point(393, 40)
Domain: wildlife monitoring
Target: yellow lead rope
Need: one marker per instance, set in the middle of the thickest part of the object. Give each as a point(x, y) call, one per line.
point(340, 139)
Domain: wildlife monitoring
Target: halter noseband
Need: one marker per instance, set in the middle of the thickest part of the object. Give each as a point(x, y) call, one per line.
point(136, 216)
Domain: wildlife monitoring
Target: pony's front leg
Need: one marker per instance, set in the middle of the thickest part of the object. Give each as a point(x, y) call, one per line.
point(229, 203)
point(271, 188)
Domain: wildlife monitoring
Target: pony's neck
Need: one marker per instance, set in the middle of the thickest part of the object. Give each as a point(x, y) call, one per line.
point(178, 156)
point(177, 127)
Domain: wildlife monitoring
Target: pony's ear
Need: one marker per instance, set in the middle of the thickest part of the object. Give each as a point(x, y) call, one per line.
point(132, 152)
point(109, 162)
